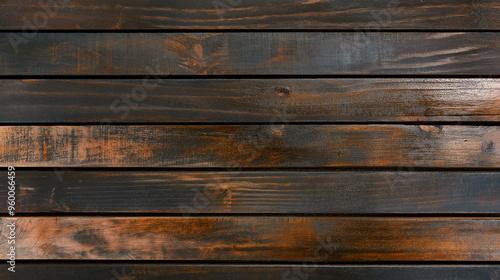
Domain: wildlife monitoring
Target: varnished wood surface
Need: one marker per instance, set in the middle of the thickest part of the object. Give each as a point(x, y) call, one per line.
point(261, 100)
point(253, 53)
point(235, 146)
point(256, 14)
point(310, 271)
point(246, 192)
point(256, 238)
point(272, 86)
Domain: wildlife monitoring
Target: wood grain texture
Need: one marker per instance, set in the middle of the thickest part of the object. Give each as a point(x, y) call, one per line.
point(256, 14)
point(270, 53)
point(261, 100)
point(54, 271)
point(235, 146)
point(256, 238)
point(70, 191)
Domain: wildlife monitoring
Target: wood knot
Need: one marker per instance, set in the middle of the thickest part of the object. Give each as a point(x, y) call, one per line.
point(282, 91)
point(488, 146)
point(223, 194)
point(278, 131)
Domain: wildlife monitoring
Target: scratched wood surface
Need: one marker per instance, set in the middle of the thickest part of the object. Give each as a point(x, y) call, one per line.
point(252, 100)
point(252, 53)
point(256, 14)
point(257, 238)
point(235, 146)
point(338, 192)
point(224, 139)
point(54, 271)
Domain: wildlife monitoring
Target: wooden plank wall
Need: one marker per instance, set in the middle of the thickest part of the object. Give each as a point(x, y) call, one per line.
point(230, 139)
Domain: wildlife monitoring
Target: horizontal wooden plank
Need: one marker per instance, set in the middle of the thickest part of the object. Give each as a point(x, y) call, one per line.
point(269, 53)
point(254, 100)
point(54, 271)
point(248, 192)
point(256, 14)
point(235, 146)
point(256, 238)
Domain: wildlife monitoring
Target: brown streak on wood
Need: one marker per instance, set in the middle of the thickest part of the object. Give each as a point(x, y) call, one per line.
point(251, 146)
point(257, 14)
point(255, 100)
point(289, 53)
point(258, 238)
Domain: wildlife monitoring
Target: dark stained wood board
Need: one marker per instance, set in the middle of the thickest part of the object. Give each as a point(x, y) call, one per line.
point(229, 139)
point(54, 271)
point(246, 192)
point(256, 239)
point(256, 14)
point(249, 100)
point(253, 53)
point(235, 146)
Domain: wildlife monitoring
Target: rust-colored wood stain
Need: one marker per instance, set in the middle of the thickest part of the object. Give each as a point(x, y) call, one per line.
point(229, 139)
